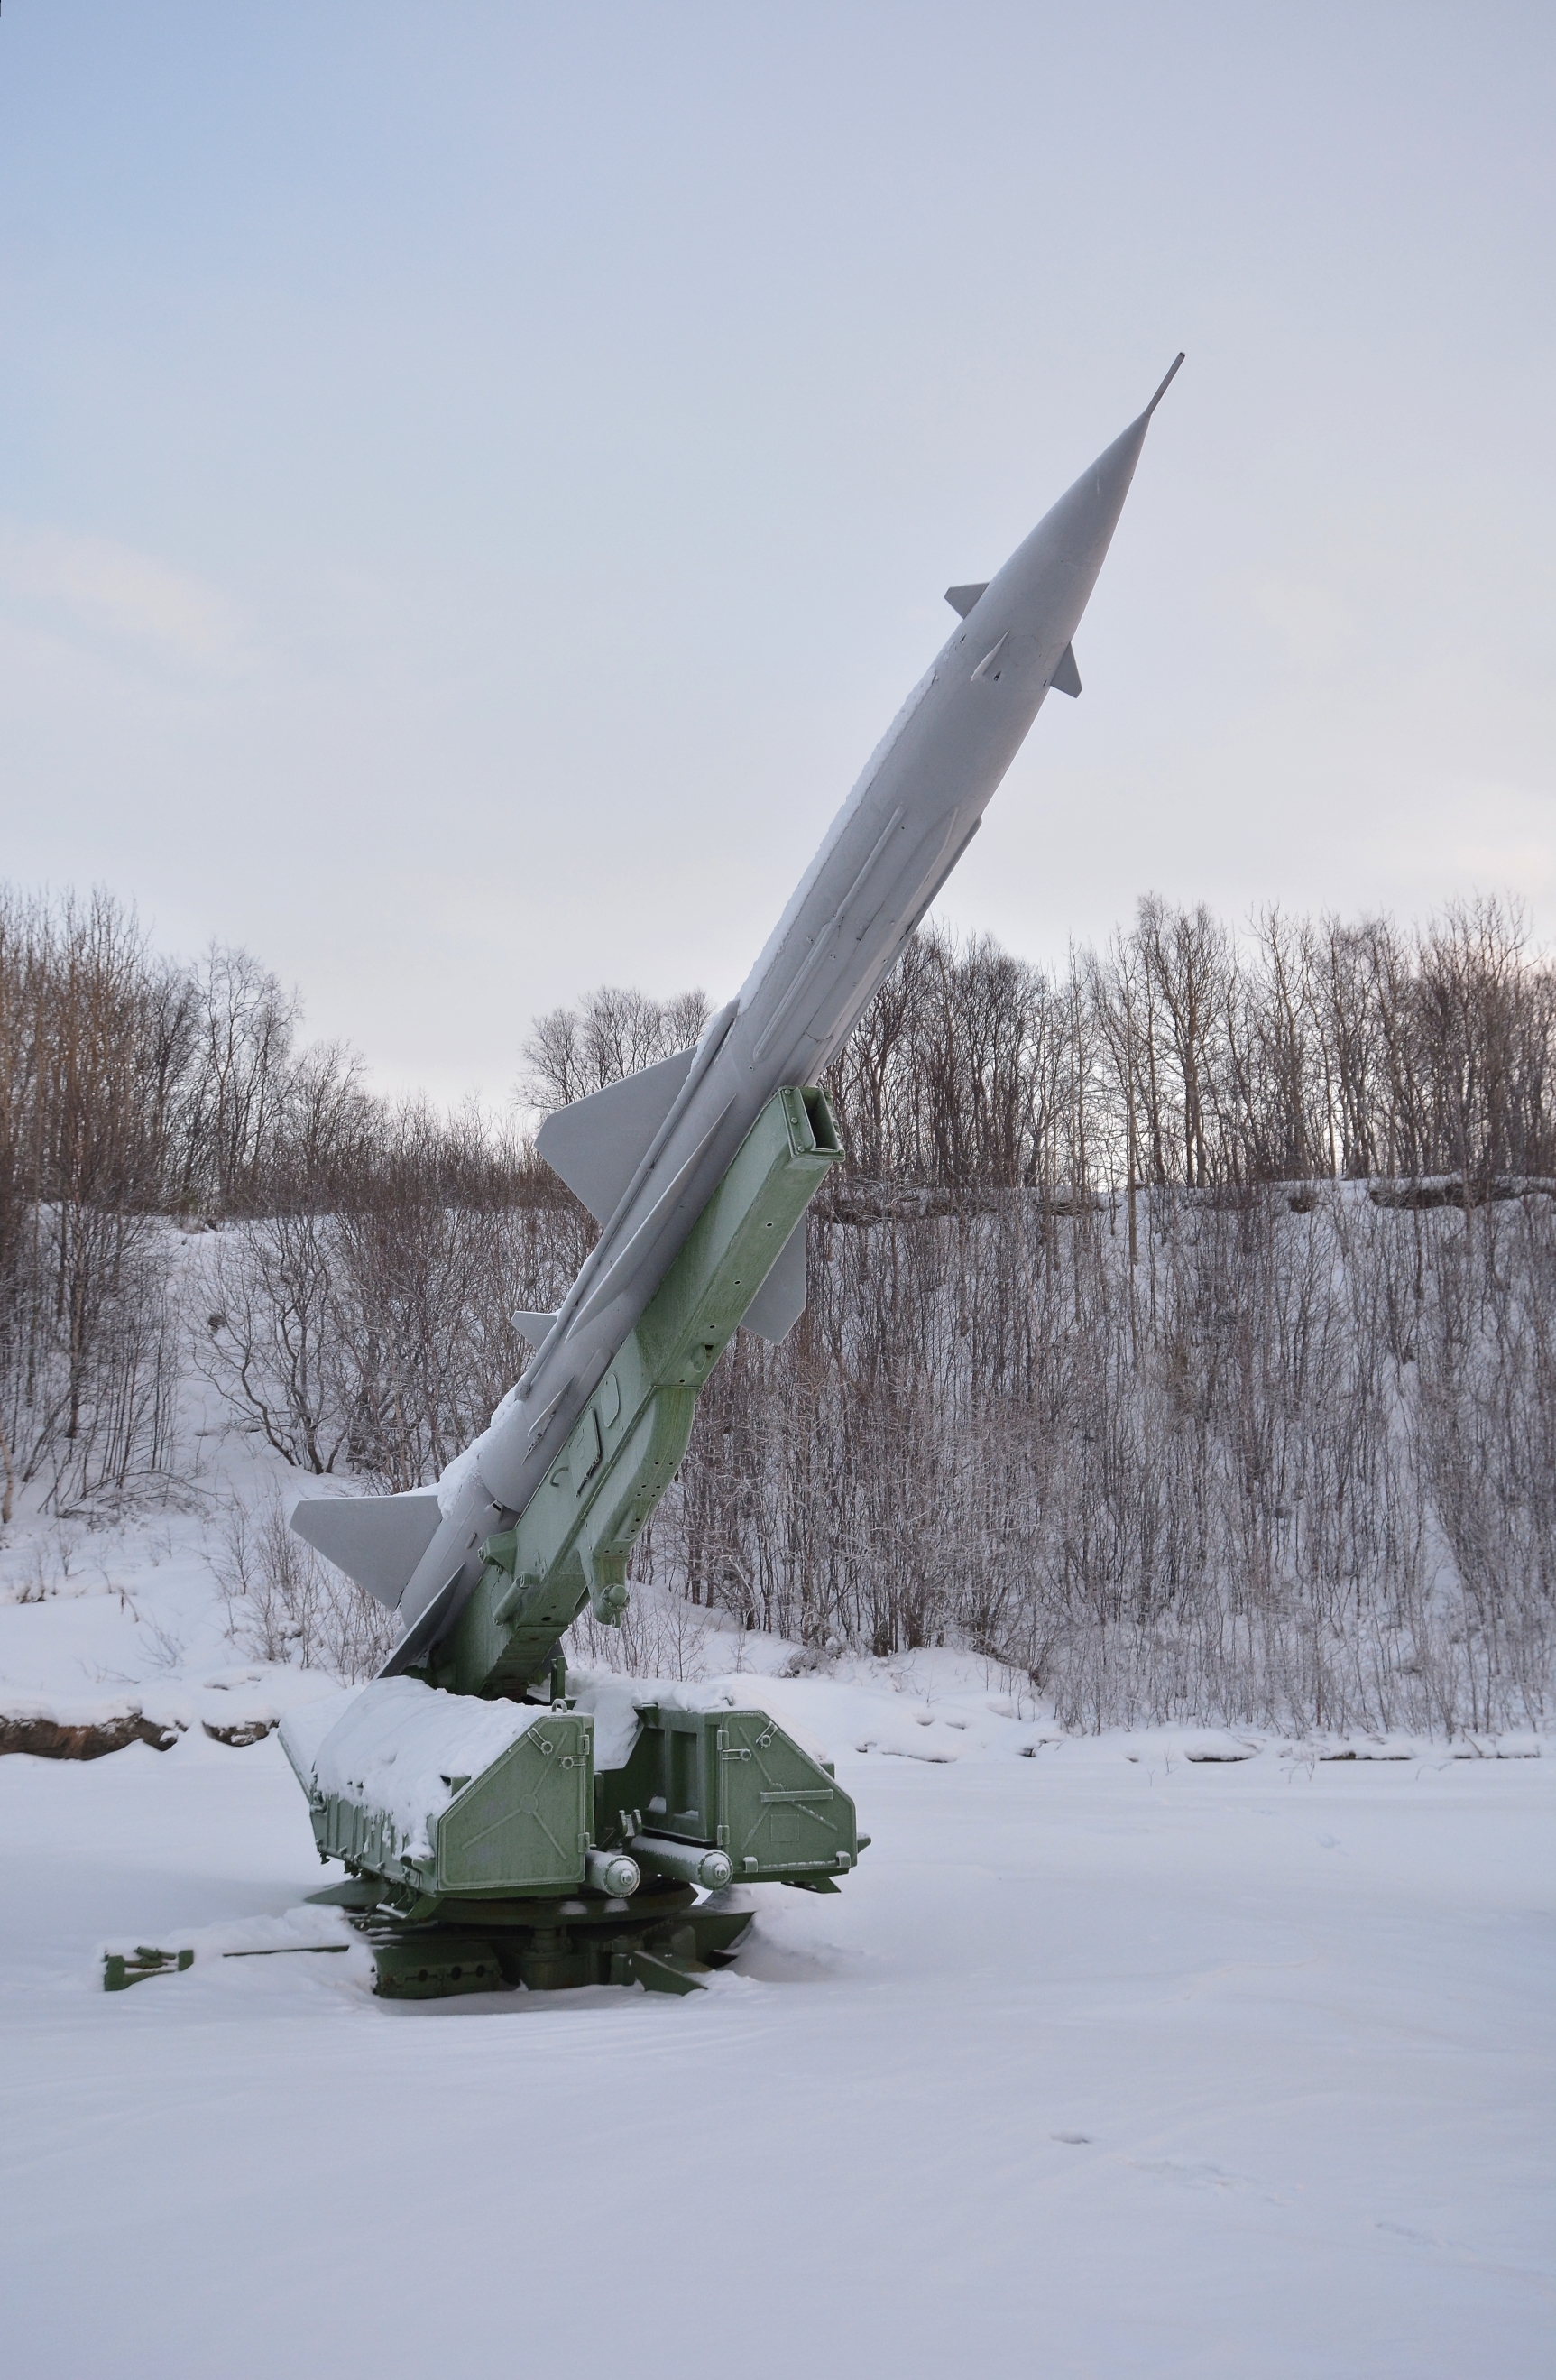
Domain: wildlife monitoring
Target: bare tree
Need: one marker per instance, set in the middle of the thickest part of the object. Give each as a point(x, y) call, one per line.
point(611, 1033)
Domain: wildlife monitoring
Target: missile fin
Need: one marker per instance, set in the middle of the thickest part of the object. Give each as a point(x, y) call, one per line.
point(536, 1328)
point(598, 1143)
point(988, 668)
point(377, 1540)
point(424, 1630)
point(780, 1302)
point(962, 598)
point(1066, 677)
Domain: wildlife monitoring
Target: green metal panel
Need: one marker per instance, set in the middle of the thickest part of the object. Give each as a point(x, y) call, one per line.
point(522, 1825)
point(671, 1779)
point(364, 1839)
point(782, 1815)
point(731, 1781)
point(574, 1538)
point(736, 1780)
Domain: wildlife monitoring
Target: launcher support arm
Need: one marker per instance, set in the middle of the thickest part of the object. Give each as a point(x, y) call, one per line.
point(573, 1538)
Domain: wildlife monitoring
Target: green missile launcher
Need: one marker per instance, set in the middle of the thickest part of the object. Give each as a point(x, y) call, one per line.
point(482, 1842)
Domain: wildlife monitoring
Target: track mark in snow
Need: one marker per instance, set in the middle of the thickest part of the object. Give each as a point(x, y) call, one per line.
point(1461, 2256)
point(1199, 2174)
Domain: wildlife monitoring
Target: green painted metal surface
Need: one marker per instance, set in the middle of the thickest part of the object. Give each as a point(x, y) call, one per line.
point(698, 1787)
point(733, 1779)
point(122, 1968)
point(666, 1946)
point(503, 1901)
point(521, 1826)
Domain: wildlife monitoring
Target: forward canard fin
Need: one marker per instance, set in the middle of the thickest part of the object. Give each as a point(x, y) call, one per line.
point(1066, 677)
point(536, 1328)
point(962, 598)
point(598, 1143)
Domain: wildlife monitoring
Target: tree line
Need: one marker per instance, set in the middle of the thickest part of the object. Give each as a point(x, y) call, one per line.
point(1178, 1325)
point(1183, 1054)
point(139, 1092)
point(1180, 1331)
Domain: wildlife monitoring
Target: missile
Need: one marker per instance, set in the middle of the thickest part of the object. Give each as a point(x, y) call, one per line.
point(647, 1154)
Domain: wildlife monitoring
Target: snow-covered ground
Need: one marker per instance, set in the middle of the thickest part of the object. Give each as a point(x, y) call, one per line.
point(1118, 2056)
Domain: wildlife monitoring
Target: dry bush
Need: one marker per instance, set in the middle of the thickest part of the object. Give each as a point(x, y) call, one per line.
point(380, 1340)
point(285, 1604)
point(85, 1337)
point(660, 1636)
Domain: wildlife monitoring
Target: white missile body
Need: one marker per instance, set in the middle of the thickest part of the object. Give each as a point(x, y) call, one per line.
point(646, 1153)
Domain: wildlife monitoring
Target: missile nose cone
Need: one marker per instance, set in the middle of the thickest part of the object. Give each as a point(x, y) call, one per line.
point(1081, 524)
point(1120, 458)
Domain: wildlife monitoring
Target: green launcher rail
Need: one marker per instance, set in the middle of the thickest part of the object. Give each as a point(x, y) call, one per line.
point(572, 1542)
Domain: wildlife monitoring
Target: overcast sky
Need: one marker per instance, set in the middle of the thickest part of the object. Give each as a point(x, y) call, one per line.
point(477, 480)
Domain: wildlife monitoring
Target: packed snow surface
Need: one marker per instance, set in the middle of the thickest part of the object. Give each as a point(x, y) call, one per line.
point(401, 1747)
point(1139, 2055)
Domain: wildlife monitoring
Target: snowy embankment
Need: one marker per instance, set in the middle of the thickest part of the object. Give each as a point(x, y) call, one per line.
point(1158, 2053)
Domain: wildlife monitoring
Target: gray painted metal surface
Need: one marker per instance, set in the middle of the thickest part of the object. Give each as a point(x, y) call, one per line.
point(646, 1153)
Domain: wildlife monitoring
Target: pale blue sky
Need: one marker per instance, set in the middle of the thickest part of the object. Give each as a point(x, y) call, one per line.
point(478, 480)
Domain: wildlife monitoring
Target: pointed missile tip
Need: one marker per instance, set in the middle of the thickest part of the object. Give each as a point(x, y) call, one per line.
point(1172, 375)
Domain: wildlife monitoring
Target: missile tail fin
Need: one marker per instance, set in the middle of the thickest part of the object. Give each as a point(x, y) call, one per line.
point(1066, 677)
point(424, 1630)
point(377, 1540)
point(962, 598)
point(598, 1143)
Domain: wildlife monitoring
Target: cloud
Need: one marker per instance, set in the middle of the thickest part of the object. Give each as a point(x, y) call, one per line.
point(92, 584)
